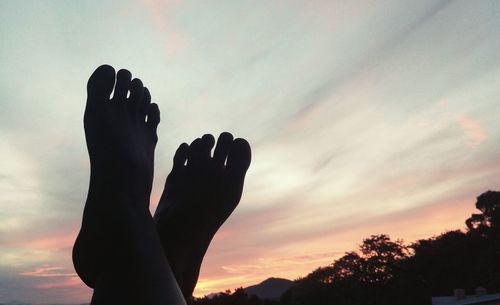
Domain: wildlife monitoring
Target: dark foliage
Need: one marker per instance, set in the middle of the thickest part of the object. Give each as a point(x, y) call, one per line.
point(464, 260)
point(388, 272)
point(238, 297)
point(374, 275)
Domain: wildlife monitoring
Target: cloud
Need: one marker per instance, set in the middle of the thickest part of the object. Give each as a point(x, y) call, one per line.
point(47, 284)
point(242, 275)
point(72, 282)
point(473, 130)
point(281, 263)
point(357, 114)
point(47, 271)
point(162, 12)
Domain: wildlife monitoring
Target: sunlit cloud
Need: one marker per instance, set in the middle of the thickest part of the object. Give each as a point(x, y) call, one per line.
point(473, 130)
point(286, 262)
point(72, 282)
point(363, 119)
point(161, 12)
point(48, 271)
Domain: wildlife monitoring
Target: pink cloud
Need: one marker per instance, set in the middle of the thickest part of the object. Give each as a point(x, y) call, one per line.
point(259, 268)
point(161, 16)
point(223, 271)
point(61, 239)
point(280, 262)
point(62, 283)
point(53, 241)
point(473, 130)
point(47, 271)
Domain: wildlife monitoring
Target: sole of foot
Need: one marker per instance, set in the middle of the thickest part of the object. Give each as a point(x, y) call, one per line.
point(200, 193)
point(120, 132)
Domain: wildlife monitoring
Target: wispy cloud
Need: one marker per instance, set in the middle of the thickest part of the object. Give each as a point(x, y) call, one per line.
point(48, 271)
point(473, 130)
point(161, 12)
point(363, 118)
point(282, 262)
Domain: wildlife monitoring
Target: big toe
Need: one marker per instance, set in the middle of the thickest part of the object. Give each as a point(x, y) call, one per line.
point(238, 160)
point(101, 84)
point(123, 79)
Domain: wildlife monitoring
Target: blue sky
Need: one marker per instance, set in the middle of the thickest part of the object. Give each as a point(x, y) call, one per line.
point(364, 117)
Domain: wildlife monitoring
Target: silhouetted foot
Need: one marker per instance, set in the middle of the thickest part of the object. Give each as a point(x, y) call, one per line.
point(121, 145)
point(197, 199)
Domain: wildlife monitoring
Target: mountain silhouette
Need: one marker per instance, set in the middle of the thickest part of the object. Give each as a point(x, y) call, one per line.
point(272, 288)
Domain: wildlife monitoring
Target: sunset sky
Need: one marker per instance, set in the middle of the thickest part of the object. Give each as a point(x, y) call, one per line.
point(364, 117)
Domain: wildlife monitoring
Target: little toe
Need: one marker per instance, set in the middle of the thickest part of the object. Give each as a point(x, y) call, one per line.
point(123, 79)
point(222, 148)
point(100, 84)
point(238, 160)
point(153, 113)
point(180, 157)
point(136, 96)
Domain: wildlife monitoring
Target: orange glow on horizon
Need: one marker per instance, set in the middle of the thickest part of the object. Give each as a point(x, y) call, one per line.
point(424, 223)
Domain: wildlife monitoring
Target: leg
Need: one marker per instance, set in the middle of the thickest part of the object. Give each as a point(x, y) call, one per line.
point(197, 200)
point(146, 277)
point(117, 240)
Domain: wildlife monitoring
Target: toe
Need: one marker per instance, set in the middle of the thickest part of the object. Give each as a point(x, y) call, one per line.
point(153, 113)
point(238, 160)
point(222, 148)
point(207, 143)
point(123, 78)
point(136, 95)
point(180, 157)
point(100, 84)
point(194, 153)
point(145, 102)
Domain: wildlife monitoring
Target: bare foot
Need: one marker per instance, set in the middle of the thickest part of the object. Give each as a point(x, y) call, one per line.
point(197, 200)
point(121, 138)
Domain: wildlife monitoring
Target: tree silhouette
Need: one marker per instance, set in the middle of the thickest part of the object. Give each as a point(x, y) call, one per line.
point(465, 260)
point(489, 219)
point(386, 272)
point(348, 266)
point(365, 277)
point(379, 258)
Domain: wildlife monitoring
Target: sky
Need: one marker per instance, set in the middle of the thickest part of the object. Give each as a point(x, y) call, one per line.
point(364, 117)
